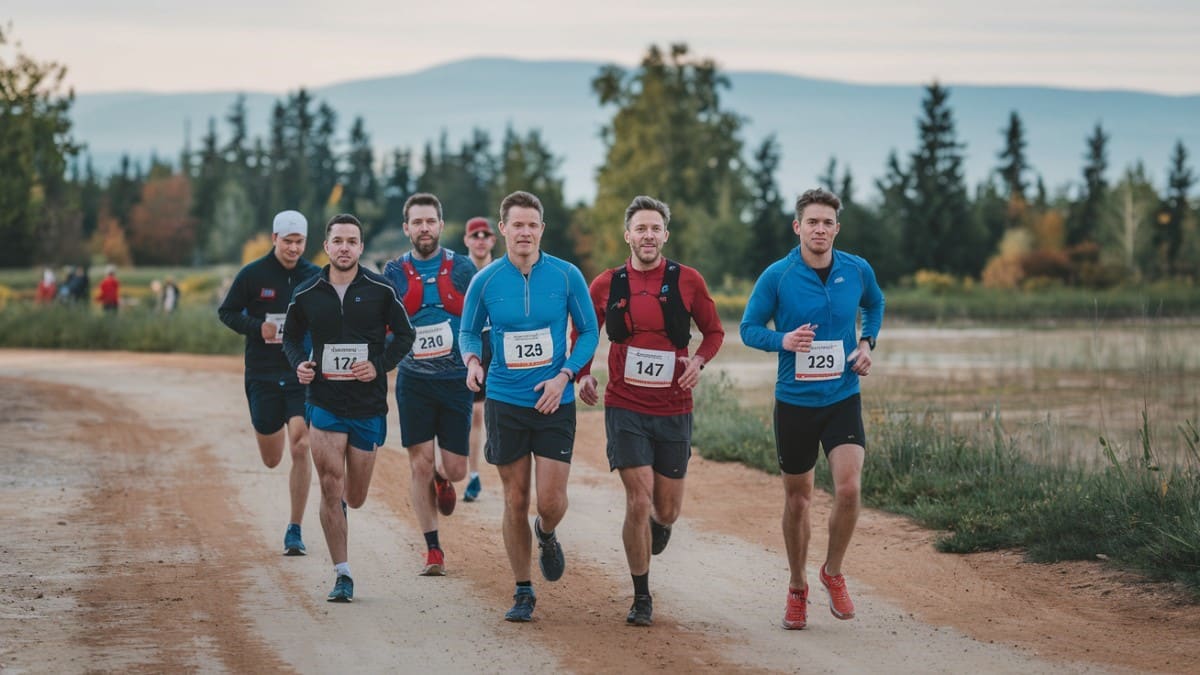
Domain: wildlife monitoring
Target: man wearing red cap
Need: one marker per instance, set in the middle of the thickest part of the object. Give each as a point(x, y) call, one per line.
point(479, 240)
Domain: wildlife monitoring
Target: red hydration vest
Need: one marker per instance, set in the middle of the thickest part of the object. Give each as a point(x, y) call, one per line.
point(414, 297)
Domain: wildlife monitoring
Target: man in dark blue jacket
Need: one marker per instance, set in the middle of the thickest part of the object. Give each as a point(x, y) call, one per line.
point(255, 307)
point(348, 310)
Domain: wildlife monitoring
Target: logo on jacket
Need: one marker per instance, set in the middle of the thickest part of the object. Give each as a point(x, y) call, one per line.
point(839, 280)
point(357, 299)
point(266, 294)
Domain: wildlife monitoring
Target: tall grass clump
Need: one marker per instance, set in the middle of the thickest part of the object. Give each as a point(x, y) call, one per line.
point(191, 329)
point(723, 431)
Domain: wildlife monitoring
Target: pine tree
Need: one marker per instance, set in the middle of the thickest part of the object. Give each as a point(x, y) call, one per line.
point(770, 222)
point(1086, 214)
point(526, 163)
point(360, 182)
point(1169, 227)
point(1013, 163)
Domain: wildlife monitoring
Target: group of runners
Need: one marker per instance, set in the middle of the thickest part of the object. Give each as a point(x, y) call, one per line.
point(498, 346)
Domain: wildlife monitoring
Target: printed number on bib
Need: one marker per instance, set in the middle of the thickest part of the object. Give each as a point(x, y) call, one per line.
point(652, 368)
point(825, 361)
point(337, 360)
point(433, 341)
point(278, 320)
point(528, 349)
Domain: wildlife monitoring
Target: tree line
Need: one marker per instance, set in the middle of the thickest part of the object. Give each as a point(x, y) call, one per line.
point(670, 136)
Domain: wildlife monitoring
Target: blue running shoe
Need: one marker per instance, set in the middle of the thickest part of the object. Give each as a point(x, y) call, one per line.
point(523, 603)
point(292, 543)
point(474, 487)
point(551, 559)
point(343, 590)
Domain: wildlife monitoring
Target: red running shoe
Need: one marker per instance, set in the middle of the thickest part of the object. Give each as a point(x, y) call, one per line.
point(435, 564)
point(444, 495)
point(839, 598)
point(795, 616)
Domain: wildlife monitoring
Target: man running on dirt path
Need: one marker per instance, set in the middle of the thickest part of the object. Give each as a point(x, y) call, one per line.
point(255, 306)
point(648, 305)
point(530, 410)
point(431, 390)
point(348, 310)
point(814, 296)
point(479, 240)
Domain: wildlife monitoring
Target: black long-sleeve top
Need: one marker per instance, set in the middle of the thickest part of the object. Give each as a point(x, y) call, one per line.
point(263, 287)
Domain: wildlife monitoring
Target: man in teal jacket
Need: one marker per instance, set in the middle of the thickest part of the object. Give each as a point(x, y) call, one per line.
point(814, 296)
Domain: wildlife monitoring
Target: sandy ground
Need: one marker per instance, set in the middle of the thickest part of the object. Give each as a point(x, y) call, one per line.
point(141, 533)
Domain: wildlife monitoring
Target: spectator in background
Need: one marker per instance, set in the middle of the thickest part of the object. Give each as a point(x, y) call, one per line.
point(78, 285)
point(46, 288)
point(110, 290)
point(170, 295)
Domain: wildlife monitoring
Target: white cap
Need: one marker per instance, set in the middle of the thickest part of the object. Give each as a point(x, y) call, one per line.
point(290, 222)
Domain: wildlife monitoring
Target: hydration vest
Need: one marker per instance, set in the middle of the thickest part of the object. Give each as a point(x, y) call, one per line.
point(414, 297)
point(676, 319)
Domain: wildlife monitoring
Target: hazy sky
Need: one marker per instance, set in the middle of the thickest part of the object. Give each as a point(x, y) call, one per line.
point(160, 45)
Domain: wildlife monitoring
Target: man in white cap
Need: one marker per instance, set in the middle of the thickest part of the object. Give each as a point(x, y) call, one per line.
point(256, 307)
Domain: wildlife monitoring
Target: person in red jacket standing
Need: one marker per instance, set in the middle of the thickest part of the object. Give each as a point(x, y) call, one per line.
point(647, 307)
point(110, 290)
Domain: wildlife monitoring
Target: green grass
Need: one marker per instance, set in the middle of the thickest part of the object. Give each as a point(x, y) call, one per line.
point(193, 329)
point(985, 494)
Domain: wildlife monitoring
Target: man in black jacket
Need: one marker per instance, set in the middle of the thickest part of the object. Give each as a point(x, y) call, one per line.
point(255, 307)
point(348, 311)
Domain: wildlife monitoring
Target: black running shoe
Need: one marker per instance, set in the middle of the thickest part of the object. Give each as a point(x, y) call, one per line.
point(551, 559)
point(659, 536)
point(642, 611)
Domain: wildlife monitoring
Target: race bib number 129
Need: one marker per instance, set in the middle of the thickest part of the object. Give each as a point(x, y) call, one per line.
point(825, 361)
point(528, 349)
point(337, 360)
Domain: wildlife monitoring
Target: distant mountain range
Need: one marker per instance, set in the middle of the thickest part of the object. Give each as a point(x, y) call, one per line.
point(813, 119)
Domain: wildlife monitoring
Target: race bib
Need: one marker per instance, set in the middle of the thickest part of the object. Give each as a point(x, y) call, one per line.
point(338, 359)
point(653, 368)
point(528, 349)
point(278, 320)
point(433, 341)
point(825, 361)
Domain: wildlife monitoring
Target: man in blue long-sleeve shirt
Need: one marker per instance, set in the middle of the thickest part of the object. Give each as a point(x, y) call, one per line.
point(530, 409)
point(813, 296)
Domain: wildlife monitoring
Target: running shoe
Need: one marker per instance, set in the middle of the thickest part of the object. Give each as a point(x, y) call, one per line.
point(474, 487)
point(839, 598)
point(659, 536)
point(292, 543)
point(551, 558)
point(795, 616)
point(343, 590)
point(435, 564)
point(443, 491)
point(523, 603)
point(642, 611)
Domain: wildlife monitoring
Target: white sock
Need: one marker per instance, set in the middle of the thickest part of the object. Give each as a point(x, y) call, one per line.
point(343, 568)
point(474, 475)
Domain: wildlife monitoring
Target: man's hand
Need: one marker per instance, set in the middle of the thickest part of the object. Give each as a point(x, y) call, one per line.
point(305, 372)
point(861, 358)
point(269, 331)
point(363, 371)
point(474, 376)
point(691, 371)
point(552, 391)
point(588, 390)
point(801, 339)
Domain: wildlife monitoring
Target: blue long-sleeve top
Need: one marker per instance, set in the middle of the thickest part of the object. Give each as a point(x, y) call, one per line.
point(790, 294)
point(514, 302)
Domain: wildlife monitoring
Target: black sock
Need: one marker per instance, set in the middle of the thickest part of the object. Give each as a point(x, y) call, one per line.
point(537, 529)
point(431, 539)
point(525, 584)
point(641, 584)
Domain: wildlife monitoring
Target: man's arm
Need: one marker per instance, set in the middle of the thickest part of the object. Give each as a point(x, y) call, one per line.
point(232, 310)
point(583, 316)
point(403, 334)
point(760, 308)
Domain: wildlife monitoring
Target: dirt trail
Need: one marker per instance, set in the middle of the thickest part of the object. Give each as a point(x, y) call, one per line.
point(141, 534)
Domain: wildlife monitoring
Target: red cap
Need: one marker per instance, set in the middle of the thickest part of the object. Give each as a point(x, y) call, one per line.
point(478, 225)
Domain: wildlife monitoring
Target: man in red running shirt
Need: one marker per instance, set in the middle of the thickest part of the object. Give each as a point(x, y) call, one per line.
point(647, 307)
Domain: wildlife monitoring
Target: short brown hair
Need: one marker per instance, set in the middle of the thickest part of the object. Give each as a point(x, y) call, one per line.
point(521, 198)
point(644, 203)
point(817, 196)
point(343, 219)
point(422, 199)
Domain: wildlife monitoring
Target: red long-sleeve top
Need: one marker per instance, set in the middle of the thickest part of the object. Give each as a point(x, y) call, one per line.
point(109, 294)
point(648, 331)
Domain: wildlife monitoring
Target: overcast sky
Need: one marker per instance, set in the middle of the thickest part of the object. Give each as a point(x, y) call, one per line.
point(160, 45)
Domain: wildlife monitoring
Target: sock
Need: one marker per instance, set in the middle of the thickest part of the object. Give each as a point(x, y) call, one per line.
point(343, 568)
point(526, 585)
point(641, 584)
point(537, 529)
point(474, 475)
point(431, 539)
